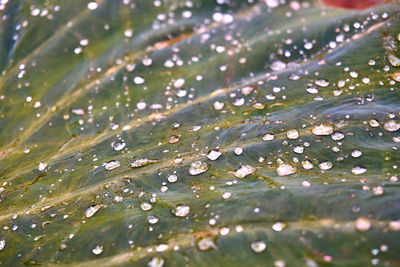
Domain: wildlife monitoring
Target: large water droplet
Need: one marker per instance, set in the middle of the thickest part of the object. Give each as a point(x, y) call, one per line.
point(391, 126)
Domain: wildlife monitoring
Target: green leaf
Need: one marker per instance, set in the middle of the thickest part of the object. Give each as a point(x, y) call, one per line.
point(199, 133)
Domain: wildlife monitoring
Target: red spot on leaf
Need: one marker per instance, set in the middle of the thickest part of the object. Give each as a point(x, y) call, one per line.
point(352, 4)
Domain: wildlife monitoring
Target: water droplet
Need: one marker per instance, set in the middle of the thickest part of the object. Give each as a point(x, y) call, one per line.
point(391, 126)
point(312, 90)
point(146, 206)
point(325, 165)
point(363, 224)
point(244, 171)
point(268, 137)
point(356, 153)
point(119, 146)
point(258, 246)
point(285, 169)
point(198, 167)
point(206, 243)
point(322, 82)
point(292, 134)
point(91, 210)
point(142, 162)
point(181, 210)
point(337, 136)
point(373, 123)
point(278, 66)
point(358, 170)
point(111, 165)
point(279, 226)
point(156, 262)
point(173, 139)
point(92, 5)
point(218, 105)
point(307, 165)
point(214, 154)
point(42, 166)
point(322, 129)
point(162, 248)
point(2, 244)
point(172, 178)
point(97, 250)
point(179, 83)
point(238, 150)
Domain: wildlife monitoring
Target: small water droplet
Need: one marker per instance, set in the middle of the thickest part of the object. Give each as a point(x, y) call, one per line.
point(91, 210)
point(214, 154)
point(358, 170)
point(97, 250)
point(292, 134)
point(146, 206)
point(258, 246)
point(363, 224)
point(279, 226)
point(156, 262)
point(119, 146)
point(181, 210)
point(206, 243)
point(325, 165)
point(268, 137)
point(322, 82)
point(2, 244)
point(111, 165)
point(172, 178)
point(244, 171)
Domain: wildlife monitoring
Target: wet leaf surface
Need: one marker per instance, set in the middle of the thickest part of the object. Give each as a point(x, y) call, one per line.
point(199, 133)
